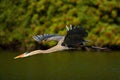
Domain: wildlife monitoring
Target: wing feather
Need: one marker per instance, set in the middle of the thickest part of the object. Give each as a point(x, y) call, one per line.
point(48, 37)
point(75, 36)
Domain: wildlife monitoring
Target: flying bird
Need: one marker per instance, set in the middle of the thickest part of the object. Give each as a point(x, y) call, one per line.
point(73, 39)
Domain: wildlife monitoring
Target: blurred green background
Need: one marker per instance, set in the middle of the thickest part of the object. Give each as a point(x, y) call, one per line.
point(21, 19)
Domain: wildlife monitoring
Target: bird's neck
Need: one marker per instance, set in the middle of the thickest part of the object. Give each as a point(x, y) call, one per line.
point(35, 52)
point(53, 49)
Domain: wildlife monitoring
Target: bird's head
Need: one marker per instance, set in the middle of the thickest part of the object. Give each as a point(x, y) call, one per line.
point(22, 55)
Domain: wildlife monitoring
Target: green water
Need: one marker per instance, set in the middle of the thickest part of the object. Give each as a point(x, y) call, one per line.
point(65, 65)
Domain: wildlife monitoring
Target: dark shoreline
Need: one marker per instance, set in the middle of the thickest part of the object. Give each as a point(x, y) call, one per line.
point(19, 48)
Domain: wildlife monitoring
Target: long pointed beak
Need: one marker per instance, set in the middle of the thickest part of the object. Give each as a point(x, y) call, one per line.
point(19, 56)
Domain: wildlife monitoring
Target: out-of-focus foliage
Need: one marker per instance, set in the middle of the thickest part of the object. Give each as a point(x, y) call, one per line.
point(21, 19)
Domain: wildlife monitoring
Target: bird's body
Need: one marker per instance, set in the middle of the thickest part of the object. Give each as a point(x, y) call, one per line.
point(73, 39)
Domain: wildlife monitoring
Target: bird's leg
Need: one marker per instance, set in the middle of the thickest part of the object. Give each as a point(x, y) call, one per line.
point(99, 48)
point(88, 48)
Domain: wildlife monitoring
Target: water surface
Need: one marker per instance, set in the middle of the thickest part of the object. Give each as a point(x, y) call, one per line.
point(65, 65)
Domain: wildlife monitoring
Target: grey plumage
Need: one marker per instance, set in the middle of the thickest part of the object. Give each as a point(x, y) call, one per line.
point(74, 37)
point(45, 37)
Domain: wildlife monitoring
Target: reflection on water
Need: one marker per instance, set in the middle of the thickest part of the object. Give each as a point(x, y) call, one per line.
point(67, 65)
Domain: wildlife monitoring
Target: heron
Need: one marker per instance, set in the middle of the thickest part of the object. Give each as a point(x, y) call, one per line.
point(74, 39)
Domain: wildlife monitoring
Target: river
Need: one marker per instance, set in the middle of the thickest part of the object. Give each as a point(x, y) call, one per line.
point(64, 65)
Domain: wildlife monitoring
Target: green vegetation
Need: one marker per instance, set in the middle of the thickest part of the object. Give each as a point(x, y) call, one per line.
point(21, 19)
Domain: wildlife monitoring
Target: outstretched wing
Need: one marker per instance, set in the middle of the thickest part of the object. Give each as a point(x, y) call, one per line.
point(75, 36)
point(47, 37)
